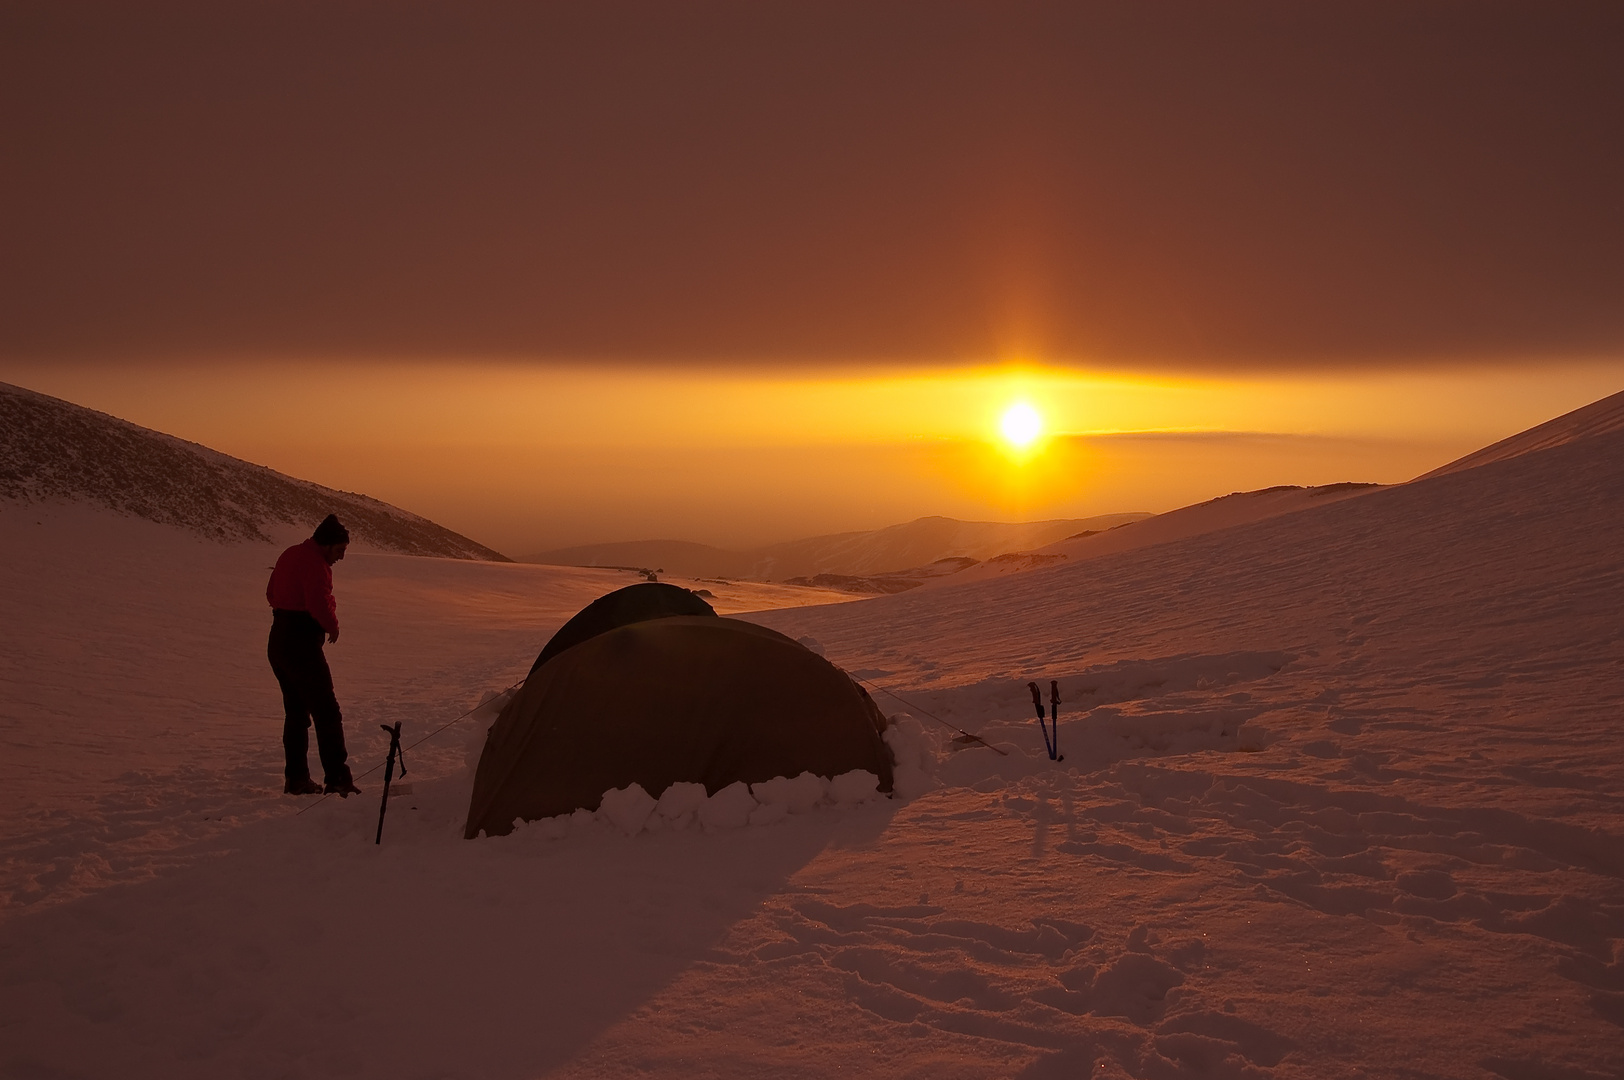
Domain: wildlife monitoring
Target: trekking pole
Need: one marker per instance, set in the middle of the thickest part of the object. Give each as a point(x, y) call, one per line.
point(1037, 703)
point(1054, 719)
point(389, 772)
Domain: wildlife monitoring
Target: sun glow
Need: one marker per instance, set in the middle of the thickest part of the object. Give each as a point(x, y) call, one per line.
point(804, 451)
point(1021, 425)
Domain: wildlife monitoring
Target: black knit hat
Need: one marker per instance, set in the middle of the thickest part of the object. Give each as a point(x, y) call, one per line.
point(330, 531)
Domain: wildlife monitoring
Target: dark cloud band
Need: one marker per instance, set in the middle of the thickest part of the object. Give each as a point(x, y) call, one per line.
point(1261, 184)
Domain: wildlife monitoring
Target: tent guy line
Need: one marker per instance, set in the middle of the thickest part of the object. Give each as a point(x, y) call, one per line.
point(933, 716)
point(424, 739)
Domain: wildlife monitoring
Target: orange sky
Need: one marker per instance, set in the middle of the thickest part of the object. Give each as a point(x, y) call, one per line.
point(531, 457)
point(735, 272)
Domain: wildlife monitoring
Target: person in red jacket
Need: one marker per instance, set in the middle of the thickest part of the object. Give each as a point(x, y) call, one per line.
point(303, 611)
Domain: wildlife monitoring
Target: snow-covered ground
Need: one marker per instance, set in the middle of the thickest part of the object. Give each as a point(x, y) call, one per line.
point(1225, 512)
point(1341, 797)
point(135, 693)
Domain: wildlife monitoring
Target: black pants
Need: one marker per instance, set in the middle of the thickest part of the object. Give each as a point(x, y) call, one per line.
point(307, 694)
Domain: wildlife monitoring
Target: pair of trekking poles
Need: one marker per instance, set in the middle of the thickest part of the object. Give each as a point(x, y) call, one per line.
point(1051, 740)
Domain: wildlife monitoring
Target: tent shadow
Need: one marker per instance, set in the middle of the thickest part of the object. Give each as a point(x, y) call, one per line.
point(429, 958)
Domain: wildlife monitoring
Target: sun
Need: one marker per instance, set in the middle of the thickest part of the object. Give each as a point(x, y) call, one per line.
point(1021, 425)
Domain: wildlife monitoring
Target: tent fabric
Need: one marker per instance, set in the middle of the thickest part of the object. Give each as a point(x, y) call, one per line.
point(701, 699)
point(635, 603)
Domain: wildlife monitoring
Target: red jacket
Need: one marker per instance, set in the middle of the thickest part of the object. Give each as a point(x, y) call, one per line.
point(302, 581)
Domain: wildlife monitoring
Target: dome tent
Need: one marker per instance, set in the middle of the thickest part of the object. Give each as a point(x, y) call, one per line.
point(635, 603)
point(672, 698)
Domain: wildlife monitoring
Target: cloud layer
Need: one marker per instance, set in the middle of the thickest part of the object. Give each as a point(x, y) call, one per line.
point(1148, 183)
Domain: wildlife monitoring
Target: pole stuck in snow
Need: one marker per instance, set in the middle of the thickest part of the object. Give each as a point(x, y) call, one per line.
point(402, 750)
point(1054, 718)
point(1052, 746)
point(389, 773)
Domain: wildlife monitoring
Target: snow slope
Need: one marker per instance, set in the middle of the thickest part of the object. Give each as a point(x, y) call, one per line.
point(55, 452)
point(1597, 418)
point(1237, 508)
point(1341, 797)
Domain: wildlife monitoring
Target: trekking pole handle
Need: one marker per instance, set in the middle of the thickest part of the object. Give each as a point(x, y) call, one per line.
point(396, 751)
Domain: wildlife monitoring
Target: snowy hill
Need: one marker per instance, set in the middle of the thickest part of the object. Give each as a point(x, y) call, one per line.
point(52, 451)
point(1597, 418)
point(1223, 512)
point(891, 550)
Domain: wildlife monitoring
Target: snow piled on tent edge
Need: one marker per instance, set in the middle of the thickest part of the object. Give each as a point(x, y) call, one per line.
point(916, 754)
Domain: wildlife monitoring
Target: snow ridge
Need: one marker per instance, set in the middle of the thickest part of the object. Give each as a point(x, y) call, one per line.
point(52, 450)
point(1597, 418)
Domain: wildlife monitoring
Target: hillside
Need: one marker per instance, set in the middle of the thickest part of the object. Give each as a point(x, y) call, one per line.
point(54, 451)
point(1597, 418)
point(1226, 511)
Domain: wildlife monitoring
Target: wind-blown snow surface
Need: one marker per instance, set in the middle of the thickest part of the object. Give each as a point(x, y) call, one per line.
point(1341, 797)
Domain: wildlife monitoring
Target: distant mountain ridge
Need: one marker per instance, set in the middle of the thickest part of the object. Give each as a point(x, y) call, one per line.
point(683, 558)
point(1224, 512)
point(866, 554)
point(52, 449)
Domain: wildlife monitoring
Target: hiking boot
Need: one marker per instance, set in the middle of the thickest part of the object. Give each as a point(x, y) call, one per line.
point(306, 786)
point(343, 789)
